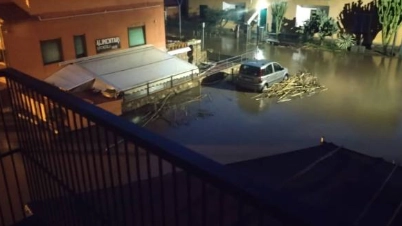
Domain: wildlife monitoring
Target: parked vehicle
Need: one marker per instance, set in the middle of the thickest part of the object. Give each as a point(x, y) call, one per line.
point(258, 75)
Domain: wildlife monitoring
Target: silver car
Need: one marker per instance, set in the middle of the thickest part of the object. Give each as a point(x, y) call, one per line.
point(258, 75)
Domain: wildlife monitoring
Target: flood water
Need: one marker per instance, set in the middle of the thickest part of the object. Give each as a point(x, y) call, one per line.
point(361, 110)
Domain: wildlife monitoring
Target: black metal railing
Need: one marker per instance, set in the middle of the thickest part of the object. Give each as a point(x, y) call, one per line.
point(80, 165)
point(151, 87)
point(230, 62)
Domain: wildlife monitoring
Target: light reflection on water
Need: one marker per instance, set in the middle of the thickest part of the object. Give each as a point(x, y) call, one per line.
point(361, 110)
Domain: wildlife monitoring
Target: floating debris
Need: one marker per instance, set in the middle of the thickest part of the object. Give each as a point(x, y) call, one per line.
point(297, 86)
point(176, 113)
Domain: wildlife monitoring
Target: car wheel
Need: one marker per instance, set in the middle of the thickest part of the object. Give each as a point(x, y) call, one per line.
point(286, 77)
point(264, 88)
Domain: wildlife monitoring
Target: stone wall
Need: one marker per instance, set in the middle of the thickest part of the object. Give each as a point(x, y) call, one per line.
point(195, 56)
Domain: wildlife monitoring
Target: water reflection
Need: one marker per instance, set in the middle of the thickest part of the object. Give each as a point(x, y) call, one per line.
point(361, 92)
point(248, 103)
point(362, 110)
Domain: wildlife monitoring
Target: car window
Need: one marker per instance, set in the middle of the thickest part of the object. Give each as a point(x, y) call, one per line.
point(269, 70)
point(277, 67)
point(249, 70)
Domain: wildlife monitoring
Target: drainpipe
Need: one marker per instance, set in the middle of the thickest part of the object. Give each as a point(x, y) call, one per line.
point(97, 13)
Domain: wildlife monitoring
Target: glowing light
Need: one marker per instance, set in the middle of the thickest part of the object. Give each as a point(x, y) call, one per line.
point(261, 4)
point(27, 3)
point(259, 55)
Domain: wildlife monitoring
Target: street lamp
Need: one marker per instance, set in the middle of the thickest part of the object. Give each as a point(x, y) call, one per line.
point(202, 40)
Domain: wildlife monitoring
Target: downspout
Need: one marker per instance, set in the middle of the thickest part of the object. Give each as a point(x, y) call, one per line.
point(97, 13)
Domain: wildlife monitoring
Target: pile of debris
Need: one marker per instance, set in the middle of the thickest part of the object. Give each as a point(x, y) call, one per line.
point(176, 112)
point(297, 86)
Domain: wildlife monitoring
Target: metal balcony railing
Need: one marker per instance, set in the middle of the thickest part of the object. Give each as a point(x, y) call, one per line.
point(68, 162)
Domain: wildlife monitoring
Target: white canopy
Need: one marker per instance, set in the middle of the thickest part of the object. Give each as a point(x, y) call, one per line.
point(70, 77)
point(130, 68)
point(124, 69)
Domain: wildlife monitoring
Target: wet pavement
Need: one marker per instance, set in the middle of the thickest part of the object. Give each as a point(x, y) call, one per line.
point(361, 110)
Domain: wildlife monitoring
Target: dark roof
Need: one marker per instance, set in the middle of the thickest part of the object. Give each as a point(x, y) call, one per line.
point(12, 12)
point(257, 63)
point(352, 187)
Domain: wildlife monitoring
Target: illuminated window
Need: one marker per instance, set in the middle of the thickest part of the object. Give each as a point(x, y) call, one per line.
point(80, 46)
point(51, 51)
point(136, 36)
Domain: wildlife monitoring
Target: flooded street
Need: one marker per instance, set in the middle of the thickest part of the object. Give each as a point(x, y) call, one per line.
point(361, 110)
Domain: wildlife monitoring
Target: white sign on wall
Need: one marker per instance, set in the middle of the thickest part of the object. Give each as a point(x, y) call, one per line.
point(106, 44)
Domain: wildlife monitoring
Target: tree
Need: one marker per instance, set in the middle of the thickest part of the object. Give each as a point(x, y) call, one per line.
point(389, 13)
point(218, 18)
point(361, 20)
point(278, 13)
point(320, 24)
point(327, 26)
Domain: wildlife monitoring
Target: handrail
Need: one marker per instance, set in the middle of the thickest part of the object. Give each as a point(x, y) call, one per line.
point(280, 204)
point(230, 60)
point(11, 152)
point(148, 85)
point(160, 79)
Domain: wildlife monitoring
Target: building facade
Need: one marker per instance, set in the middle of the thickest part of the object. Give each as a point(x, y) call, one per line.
point(36, 35)
point(349, 13)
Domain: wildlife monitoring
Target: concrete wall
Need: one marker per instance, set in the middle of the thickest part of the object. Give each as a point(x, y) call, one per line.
point(198, 55)
point(22, 39)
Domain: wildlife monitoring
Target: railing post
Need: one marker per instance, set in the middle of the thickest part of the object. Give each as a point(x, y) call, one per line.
point(147, 89)
point(171, 81)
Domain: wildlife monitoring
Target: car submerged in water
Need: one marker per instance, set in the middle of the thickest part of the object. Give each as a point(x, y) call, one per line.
point(258, 75)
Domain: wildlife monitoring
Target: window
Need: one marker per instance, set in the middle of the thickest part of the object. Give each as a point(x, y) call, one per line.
point(277, 67)
point(80, 46)
point(269, 69)
point(51, 51)
point(307, 12)
point(313, 13)
point(250, 70)
point(136, 36)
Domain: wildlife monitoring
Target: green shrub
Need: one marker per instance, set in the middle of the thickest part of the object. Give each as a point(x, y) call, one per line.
point(345, 41)
point(319, 24)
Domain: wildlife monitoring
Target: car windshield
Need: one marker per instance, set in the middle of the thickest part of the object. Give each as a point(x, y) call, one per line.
point(249, 70)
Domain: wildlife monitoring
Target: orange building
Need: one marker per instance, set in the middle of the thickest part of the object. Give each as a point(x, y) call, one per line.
point(36, 35)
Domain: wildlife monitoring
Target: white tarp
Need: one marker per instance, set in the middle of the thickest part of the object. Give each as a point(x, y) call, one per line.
point(70, 77)
point(227, 6)
point(127, 69)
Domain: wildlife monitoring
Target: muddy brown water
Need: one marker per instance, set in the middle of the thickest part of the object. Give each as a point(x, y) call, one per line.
point(361, 110)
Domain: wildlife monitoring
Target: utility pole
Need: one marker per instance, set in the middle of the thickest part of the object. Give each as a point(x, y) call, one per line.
point(258, 25)
point(203, 37)
point(179, 2)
